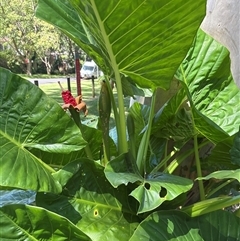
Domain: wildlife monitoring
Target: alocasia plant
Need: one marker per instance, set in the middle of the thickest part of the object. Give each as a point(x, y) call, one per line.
point(127, 193)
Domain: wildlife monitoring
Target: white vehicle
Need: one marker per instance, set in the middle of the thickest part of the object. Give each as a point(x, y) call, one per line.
point(90, 69)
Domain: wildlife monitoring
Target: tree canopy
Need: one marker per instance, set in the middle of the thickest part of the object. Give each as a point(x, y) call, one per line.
point(23, 37)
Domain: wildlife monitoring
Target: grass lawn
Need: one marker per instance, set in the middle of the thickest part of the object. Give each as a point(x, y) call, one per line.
point(53, 90)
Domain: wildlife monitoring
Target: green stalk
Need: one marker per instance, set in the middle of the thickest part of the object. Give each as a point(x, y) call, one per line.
point(88, 151)
point(114, 106)
point(121, 125)
point(199, 169)
point(165, 154)
point(164, 161)
point(120, 122)
point(56, 166)
point(197, 159)
point(143, 147)
point(178, 160)
point(131, 135)
point(210, 205)
point(105, 107)
point(76, 117)
point(220, 187)
point(121, 128)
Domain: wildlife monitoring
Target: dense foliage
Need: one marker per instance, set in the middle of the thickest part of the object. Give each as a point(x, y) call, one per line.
point(162, 175)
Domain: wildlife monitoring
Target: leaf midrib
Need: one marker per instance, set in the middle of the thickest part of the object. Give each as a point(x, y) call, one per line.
point(19, 227)
point(105, 206)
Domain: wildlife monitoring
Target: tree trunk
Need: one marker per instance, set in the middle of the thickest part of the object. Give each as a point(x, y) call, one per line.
point(48, 65)
point(29, 68)
point(28, 65)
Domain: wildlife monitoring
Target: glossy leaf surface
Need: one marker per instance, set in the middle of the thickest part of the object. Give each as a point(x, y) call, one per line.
point(177, 226)
point(153, 32)
point(220, 157)
point(210, 205)
point(152, 190)
point(212, 91)
point(223, 174)
point(91, 203)
point(30, 120)
point(20, 222)
point(93, 137)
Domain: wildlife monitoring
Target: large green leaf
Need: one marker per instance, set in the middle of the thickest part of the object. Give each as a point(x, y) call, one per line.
point(152, 190)
point(145, 41)
point(20, 169)
point(20, 222)
point(34, 120)
point(223, 174)
point(212, 92)
point(178, 127)
point(31, 120)
point(220, 157)
point(174, 121)
point(168, 112)
point(210, 205)
point(177, 226)
point(93, 137)
point(91, 203)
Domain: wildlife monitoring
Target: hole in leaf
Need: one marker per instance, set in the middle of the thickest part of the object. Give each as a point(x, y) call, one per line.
point(95, 213)
point(147, 186)
point(163, 192)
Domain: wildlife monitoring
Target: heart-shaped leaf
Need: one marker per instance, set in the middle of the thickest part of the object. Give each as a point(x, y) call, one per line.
point(152, 190)
point(91, 203)
point(29, 120)
point(20, 222)
point(158, 32)
point(214, 96)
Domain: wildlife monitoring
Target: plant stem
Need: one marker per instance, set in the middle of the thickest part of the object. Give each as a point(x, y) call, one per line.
point(113, 104)
point(179, 159)
point(164, 161)
point(165, 154)
point(119, 116)
point(196, 148)
point(143, 147)
point(56, 166)
point(121, 127)
point(220, 187)
point(210, 205)
point(199, 170)
point(76, 117)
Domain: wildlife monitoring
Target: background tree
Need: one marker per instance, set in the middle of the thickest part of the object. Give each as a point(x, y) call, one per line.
point(24, 38)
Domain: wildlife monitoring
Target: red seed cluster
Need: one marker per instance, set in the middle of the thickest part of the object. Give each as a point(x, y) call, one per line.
point(68, 98)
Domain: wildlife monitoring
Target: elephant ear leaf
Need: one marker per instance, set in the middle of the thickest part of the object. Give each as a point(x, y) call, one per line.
point(224, 155)
point(177, 226)
point(214, 97)
point(23, 222)
point(91, 203)
point(156, 32)
point(29, 120)
point(152, 190)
